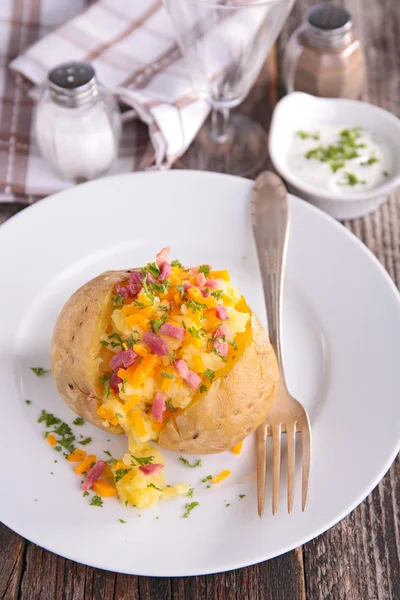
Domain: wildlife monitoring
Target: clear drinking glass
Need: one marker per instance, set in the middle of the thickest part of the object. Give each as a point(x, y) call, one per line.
point(225, 43)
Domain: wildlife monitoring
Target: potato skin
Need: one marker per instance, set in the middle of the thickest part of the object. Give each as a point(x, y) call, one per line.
point(76, 344)
point(234, 406)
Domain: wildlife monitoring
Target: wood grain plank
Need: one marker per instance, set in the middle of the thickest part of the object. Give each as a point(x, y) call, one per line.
point(11, 562)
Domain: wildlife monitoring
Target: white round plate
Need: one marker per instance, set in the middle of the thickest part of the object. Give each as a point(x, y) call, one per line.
point(342, 355)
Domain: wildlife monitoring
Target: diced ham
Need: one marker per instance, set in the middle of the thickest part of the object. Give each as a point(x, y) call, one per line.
point(195, 270)
point(162, 256)
point(189, 377)
point(182, 368)
point(94, 474)
point(157, 345)
point(205, 293)
point(165, 271)
point(150, 278)
point(213, 284)
point(221, 312)
point(114, 381)
point(193, 380)
point(223, 331)
point(221, 348)
point(186, 286)
point(132, 288)
point(201, 279)
point(159, 406)
point(123, 359)
point(173, 331)
point(151, 469)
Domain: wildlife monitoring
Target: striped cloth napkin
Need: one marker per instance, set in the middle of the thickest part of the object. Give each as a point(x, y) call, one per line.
point(131, 45)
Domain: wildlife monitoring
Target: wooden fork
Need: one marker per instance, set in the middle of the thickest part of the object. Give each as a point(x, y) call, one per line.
point(270, 218)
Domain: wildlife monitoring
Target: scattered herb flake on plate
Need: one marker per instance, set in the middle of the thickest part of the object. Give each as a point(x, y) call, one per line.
point(39, 371)
point(188, 508)
point(187, 463)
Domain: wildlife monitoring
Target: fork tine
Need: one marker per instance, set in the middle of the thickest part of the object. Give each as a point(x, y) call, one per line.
point(276, 466)
point(306, 458)
point(291, 450)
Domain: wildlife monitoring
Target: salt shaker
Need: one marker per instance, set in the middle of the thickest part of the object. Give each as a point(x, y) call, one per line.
point(324, 57)
point(77, 123)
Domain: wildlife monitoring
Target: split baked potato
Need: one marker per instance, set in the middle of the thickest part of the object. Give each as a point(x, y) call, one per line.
point(165, 354)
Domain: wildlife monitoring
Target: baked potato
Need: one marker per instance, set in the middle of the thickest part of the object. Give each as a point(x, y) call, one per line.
point(165, 354)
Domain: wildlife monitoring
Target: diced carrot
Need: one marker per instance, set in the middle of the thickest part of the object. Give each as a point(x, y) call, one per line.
point(104, 489)
point(133, 400)
point(119, 465)
point(166, 384)
point(143, 370)
point(219, 275)
point(157, 426)
point(122, 373)
point(86, 464)
point(137, 319)
point(237, 448)
point(198, 363)
point(227, 300)
point(196, 294)
point(212, 320)
point(140, 350)
point(106, 414)
point(221, 476)
point(242, 306)
point(51, 440)
point(138, 423)
point(77, 455)
point(177, 298)
point(196, 342)
point(210, 302)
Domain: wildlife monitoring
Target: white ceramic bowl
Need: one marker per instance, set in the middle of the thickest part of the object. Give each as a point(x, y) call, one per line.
point(302, 111)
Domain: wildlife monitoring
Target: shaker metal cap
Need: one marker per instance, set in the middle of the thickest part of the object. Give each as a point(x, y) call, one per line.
point(328, 24)
point(73, 84)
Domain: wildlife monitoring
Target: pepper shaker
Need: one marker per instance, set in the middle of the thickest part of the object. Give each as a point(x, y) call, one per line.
point(77, 123)
point(324, 57)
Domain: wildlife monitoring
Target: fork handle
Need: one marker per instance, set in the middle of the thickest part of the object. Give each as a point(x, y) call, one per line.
point(270, 217)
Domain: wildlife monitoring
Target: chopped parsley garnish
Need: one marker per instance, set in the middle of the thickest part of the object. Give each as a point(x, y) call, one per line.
point(85, 493)
point(208, 478)
point(28, 401)
point(171, 356)
point(157, 323)
point(190, 493)
point(126, 502)
point(181, 289)
point(119, 416)
point(194, 332)
point(187, 463)
point(242, 496)
point(115, 336)
point(170, 406)
point(304, 135)
point(233, 344)
point(112, 461)
point(371, 161)
point(96, 501)
point(162, 288)
point(189, 508)
point(203, 388)
point(58, 448)
point(86, 441)
point(142, 460)
point(132, 340)
point(167, 375)
point(120, 473)
point(153, 269)
point(176, 263)
point(217, 294)
point(104, 343)
point(78, 421)
point(351, 179)
point(107, 452)
point(117, 300)
point(122, 521)
point(204, 269)
point(154, 486)
point(123, 385)
point(226, 505)
point(385, 173)
point(215, 351)
point(209, 373)
point(195, 306)
point(105, 381)
point(336, 154)
point(39, 371)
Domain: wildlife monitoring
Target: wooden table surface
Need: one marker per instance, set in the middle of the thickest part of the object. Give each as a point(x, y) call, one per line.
point(358, 559)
